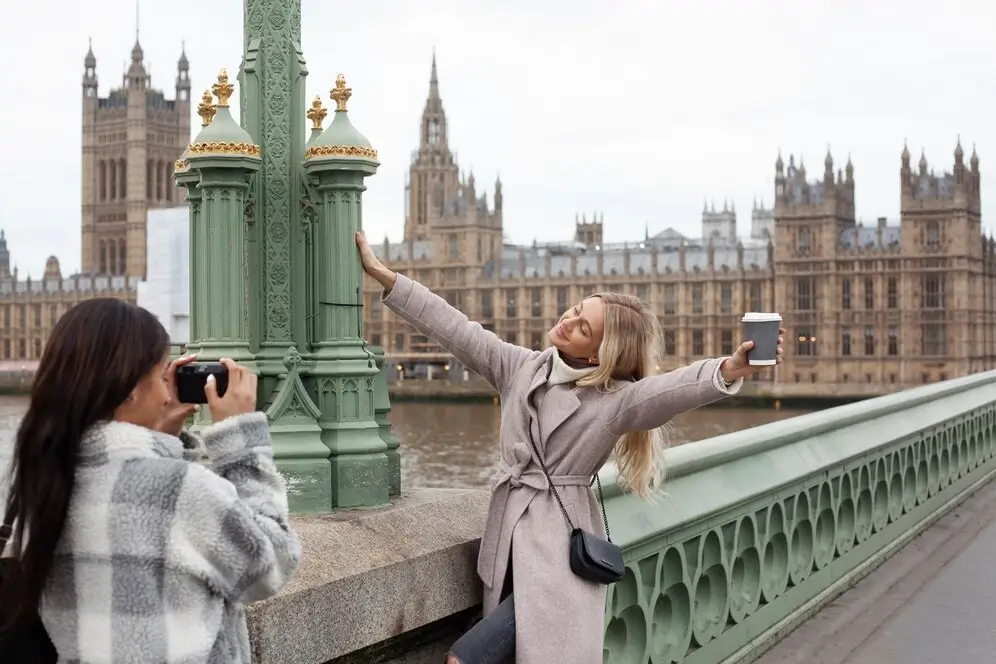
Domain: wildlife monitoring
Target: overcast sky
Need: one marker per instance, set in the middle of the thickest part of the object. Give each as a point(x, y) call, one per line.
point(638, 108)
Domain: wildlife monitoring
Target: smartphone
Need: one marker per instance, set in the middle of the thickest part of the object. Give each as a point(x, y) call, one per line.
point(190, 380)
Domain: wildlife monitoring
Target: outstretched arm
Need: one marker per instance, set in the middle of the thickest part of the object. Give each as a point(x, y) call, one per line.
point(653, 401)
point(478, 349)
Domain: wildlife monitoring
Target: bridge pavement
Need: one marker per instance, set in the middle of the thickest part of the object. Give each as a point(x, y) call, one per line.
point(933, 602)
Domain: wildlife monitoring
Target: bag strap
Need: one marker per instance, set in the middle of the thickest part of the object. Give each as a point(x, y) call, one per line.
point(553, 488)
point(7, 527)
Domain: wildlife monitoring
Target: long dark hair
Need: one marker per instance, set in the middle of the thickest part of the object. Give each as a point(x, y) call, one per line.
point(96, 355)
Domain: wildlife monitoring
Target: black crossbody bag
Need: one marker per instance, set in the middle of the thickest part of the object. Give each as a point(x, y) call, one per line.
point(28, 643)
point(592, 558)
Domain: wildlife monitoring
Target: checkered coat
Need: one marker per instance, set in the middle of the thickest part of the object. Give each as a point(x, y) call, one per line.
point(159, 553)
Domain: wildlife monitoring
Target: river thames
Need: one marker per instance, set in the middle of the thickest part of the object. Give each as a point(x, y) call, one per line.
point(454, 445)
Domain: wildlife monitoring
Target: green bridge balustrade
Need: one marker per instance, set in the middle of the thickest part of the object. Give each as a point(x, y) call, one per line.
point(757, 531)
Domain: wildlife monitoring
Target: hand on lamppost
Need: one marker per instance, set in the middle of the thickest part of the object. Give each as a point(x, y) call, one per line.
point(737, 365)
point(174, 413)
point(372, 265)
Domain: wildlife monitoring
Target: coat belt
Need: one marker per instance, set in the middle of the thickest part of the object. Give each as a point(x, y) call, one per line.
point(524, 472)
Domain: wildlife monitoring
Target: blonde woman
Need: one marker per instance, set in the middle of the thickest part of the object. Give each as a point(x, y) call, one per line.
point(563, 412)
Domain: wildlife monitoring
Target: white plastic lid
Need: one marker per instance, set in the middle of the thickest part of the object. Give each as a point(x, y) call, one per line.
point(755, 317)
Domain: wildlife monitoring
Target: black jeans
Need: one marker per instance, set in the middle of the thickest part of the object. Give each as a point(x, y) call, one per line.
point(492, 640)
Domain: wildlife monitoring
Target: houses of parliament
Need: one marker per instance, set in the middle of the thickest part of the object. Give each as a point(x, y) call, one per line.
point(869, 308)
point(130, 140)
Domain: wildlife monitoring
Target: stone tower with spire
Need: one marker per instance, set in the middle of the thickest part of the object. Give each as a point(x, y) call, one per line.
point(443, 205)
point(131, 138)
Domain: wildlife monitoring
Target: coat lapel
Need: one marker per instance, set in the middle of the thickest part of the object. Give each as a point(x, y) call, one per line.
point(558, 406)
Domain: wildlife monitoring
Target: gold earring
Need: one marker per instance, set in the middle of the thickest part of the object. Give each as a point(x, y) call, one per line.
point(592, 360)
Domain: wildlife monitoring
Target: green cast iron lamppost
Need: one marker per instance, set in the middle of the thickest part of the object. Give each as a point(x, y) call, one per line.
point(275, 278)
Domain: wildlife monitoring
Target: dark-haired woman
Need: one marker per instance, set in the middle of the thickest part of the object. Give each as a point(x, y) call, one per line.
point(130, 551)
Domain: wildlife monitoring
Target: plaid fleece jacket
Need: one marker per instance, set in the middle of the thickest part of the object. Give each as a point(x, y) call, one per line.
point(159, 553)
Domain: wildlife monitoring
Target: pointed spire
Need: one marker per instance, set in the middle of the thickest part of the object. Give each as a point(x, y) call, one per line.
point(182, 64)
point(975, 159)
point(959, 153)
point(906, 151)
point(433, 79)
point(90, 61)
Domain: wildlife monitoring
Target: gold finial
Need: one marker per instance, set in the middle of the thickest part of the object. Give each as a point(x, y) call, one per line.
point(340, 94)
point(206, 109)
point(223, 89)
point(317, 113)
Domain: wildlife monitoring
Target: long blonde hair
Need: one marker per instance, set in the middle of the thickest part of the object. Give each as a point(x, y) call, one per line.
point(631, 349)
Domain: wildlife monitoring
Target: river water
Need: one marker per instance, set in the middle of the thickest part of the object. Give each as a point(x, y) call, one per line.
point(454, 445)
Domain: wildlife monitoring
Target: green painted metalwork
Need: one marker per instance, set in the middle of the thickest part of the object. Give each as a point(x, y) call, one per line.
point(336, 164)
point(289, 311)
point(760, 528)
point(382, 408)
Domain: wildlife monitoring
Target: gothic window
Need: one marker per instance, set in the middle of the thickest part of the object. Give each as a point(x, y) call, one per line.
point(670, 299)
point(168, 175)
point(932, 296)
point(53, 314)
point(893, 340)
point(510, 309)
point(892, 293)
point(845, 294)
point(102, 179)
point(479, 250)
point(726, 342)
point(670, 342)
point(37, 348)
point(159, 181)
point(537, 302)
point(112, 249)
point(487, 310)
point(804, 241)
point(121, 255)
point(933, 235)
point(845, 341)
point(869, 340)
point(103, 258)
point(698, 342)
point(537, 341)
point(755, 296)
point(869, 293)
point(454, 245)
point(725, 298)
point(150, 178)
point(561, 300)
point(806, 343)
point(112, 177)
point(805, 294)
point(697, 298)
point(642, 292)
point(934, 339)
point(123, 179)
point(434, 132)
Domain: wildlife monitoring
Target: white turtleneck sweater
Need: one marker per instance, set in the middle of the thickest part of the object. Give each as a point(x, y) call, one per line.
point(562, 373)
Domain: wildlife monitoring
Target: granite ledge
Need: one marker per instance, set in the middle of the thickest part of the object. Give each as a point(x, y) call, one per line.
point(369, 576)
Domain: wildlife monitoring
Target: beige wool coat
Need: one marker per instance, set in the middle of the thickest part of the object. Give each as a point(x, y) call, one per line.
point(559, 616)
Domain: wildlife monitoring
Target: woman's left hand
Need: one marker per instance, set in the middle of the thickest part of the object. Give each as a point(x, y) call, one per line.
point(174, 413)
point(737, 366)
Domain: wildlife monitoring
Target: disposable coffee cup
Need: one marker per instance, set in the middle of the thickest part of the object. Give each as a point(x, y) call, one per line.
point(762, 329)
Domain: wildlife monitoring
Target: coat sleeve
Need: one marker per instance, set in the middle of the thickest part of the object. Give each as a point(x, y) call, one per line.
point(231, 527)
point(480, 350)
point(654, 401)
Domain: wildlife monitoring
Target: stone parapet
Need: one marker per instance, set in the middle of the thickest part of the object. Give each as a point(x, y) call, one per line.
point(387, 585)
point(757, 531)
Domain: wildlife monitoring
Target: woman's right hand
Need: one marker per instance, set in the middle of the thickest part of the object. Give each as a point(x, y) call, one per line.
point(239, 398)
point(372, 265)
